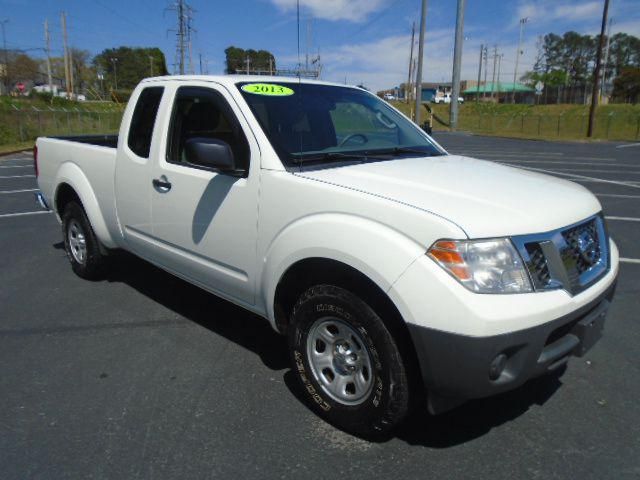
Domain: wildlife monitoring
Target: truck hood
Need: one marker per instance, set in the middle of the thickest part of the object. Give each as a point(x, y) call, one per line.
point(483, 198)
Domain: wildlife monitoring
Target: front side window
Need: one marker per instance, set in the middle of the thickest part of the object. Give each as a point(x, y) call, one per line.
point(204, 113)
point(143, 120)
point(308, 123)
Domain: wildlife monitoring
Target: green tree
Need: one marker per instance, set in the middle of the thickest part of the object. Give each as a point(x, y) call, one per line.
point(259, 60)
point(129, 65)
point(626, 86)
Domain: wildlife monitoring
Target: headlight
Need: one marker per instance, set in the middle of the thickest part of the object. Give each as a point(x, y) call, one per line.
point(483, 266)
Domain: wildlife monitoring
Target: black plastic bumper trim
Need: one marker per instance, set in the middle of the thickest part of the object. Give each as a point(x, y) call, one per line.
point(456, 367)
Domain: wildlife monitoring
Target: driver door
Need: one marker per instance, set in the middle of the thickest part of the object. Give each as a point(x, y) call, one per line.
point(205, 221)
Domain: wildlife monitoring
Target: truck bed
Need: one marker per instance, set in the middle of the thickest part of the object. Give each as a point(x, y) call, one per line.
point(110, 141)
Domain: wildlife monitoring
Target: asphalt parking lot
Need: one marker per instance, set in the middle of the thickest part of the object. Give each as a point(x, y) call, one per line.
point(144, 376)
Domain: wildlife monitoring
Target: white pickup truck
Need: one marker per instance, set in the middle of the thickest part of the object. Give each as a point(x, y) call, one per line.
point(401, 274)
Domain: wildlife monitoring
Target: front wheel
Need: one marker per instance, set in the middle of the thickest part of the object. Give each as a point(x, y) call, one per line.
point(81, 243)
point(347, 362)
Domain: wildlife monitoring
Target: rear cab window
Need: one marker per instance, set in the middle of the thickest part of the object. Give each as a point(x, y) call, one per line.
point(143, 121)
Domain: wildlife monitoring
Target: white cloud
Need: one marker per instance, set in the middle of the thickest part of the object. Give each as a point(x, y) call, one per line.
point(351, 10)
point(384, 63)
point(546, 12)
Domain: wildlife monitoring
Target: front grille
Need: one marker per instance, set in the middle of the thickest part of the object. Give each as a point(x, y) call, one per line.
point(537, 265)
point(583, 244)
point(572, 258)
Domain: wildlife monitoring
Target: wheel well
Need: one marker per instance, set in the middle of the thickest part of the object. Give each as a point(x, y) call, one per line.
point(64, 195)
point(314, 271)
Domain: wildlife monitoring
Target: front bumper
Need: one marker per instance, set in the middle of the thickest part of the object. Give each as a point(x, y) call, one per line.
point(457, 367)
point(458, 335)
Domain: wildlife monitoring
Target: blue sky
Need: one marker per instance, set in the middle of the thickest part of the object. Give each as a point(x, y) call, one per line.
point(364, 41)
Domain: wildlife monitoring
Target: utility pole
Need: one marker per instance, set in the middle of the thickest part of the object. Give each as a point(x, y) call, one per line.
point(479, 74)
point(493, 75)
point(114, 62)
point(200, 61)
point(67, 83)
point(518, 53)
point(408, 87)
point(3, 23)
point(47, 41)
point(247, 63)
point(606, 60)
point(423, 19)
point(500, 57)
point(71, 72)
point(457, 59)
point(596, 75)
point(486, 70)
point(183, 34)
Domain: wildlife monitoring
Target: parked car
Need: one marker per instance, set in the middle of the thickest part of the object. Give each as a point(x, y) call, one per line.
point(446, 98)
point(401, 275)
point(389, 96)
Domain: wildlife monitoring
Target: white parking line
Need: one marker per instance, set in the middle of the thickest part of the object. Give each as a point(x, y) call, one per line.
point(615, 195)
point(19, 191)
point(514, 153)
point(494, 154)
point(21, 214)
point(582, 178)
point(575, 178)
point(629, 260)
point(19, 176)
point(629, 146)
point(624, 219)
point(595, 171)
point(17, 166)
point(562, 162)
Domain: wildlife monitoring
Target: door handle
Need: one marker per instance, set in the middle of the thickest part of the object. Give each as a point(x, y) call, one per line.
point(161, 184)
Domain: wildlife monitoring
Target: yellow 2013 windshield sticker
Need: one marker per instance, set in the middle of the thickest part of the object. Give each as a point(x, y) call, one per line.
point(267, 89)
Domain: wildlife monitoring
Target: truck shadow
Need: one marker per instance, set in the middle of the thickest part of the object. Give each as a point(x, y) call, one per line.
point(477, 417)
point(194, 304)
point(463, 424)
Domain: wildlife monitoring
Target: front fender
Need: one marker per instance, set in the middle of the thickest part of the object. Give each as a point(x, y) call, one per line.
point(374, 249)
point(72, 175)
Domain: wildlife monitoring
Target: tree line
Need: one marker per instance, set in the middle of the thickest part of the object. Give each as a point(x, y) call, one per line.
point(567, 62)
point(112, 73)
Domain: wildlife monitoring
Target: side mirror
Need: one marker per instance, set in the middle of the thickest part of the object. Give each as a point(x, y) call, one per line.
point(211, 153)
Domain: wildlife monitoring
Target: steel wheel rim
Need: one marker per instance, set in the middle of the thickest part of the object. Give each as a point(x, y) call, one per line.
point(77, 242)
point(340, 361)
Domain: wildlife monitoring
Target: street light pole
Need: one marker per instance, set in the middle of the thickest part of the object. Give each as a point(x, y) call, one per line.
point(457, 59)
point(114, 61)
point(423, 18)
point(518, 52)
point(6, 56)
point(596, 74)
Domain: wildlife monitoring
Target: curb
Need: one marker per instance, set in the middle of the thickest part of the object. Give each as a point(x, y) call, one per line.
point(13, 152)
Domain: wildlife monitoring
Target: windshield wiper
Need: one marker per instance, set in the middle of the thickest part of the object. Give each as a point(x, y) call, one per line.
point(320, 157)
point(401, 150)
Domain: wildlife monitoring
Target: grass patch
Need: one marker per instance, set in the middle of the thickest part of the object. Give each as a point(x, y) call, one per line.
point(548, 122)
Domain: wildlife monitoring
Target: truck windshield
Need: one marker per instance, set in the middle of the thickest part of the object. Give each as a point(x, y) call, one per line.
point(311, 123)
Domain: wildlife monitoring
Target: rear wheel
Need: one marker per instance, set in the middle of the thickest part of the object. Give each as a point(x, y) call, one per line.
point(81, 244)
point(347, 362)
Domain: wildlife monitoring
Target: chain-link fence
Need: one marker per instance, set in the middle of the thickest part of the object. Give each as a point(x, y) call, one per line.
point(610, 126)
point(19, 126)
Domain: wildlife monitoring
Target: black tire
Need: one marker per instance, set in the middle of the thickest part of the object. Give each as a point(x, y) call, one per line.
point(91, 266)
point(387, 403)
